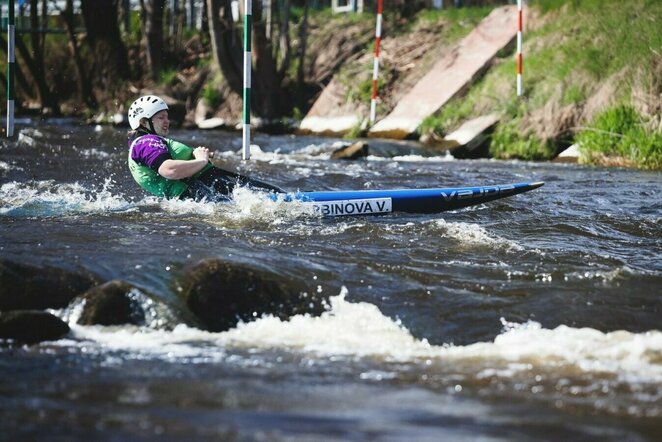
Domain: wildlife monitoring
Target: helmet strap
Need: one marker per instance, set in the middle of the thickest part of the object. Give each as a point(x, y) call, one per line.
point(151, 126)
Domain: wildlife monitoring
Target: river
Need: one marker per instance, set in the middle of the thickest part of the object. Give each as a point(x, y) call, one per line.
point(536, 317)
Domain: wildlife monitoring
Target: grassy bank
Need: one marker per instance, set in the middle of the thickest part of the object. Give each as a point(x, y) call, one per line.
point(585, 61)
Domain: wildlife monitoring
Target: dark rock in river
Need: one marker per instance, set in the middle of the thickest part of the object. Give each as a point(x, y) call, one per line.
point(27, 287)
point(351, 152)
point(110, 304)
point(30, 326)
point(221, 294)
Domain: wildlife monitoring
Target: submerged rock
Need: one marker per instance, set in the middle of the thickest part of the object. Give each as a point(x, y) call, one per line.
point(110, 304)
point(31, 327)
point(351, 152)
point(28, 287)
point(221, 294)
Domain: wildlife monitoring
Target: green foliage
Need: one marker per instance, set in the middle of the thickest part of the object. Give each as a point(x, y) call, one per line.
point(620, 131)
point(508, 142)
point(460, 21)
point(297, 114)
point(549, 5)
point(355, 132)
point(212, 95)
point(573, 94)
point(565, 61)
point(365, 88)
point(167, 76)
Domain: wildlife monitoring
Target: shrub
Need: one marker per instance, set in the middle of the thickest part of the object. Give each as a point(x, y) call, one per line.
point(621, 132)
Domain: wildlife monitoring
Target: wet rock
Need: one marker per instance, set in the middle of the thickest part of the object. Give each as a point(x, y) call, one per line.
point(202, 111)
point(351, 152)
point(221, 294)
point(31, 326)
point(28, 287)
point(110, 304)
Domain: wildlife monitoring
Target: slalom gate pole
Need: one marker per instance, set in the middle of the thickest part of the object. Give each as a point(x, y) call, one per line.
point(375, 67)
point(519, 48)
point(10, 69)
point(246, 129)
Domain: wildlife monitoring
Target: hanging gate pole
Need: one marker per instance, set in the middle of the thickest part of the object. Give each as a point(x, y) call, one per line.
point(375, 67)
point(246, 143)
point(519, 48)
point(10, 70)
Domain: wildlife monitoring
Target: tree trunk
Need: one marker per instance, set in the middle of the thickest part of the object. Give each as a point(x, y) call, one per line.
point(84, 84)
point(104, 40)
point(19, 76)
point(267, 97)
point(303, 42)
point(34, 60)
point(284, 38)
point(226, 44)
point(153, 16)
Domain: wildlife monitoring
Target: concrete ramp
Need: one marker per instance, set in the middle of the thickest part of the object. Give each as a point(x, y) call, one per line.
point(470, 139)
point(330, 115)
point(450, 75)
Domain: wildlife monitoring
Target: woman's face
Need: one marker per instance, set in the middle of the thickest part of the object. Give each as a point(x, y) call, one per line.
point(161, 123)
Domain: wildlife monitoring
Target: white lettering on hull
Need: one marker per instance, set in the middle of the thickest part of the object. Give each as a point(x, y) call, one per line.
point(463, 194)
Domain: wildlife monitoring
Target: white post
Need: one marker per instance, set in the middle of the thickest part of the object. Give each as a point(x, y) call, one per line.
point(246, 128)
point(375, 66)
point(520, 90)
point(10, 69)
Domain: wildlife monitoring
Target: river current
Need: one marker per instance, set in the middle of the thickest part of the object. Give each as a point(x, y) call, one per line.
point(535, 317)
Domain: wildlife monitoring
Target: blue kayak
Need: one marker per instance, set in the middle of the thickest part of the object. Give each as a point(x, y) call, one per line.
point(374, 202)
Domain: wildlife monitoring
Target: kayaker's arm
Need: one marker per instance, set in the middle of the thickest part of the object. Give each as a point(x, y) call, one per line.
point(179, 169)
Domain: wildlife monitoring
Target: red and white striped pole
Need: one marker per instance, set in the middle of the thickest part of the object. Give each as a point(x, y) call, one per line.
point(519, 48)
point(375, 66)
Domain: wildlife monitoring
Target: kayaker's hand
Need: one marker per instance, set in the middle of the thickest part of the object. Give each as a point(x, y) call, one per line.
point(201, 153)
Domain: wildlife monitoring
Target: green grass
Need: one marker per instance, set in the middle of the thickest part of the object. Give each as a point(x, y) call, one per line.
point(211, 92)
point(621, 131)
point(582, 44)
point(508, 142)
point(461, 21)
point(168, 75)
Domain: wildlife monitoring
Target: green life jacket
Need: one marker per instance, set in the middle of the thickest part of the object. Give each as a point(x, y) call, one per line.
point(151, 181)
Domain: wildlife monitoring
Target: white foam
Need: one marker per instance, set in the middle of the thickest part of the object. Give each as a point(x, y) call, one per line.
point(353, 329)
point(7, 167)
point(248, 205)
point(475, 235)
point(47, 198)
point(94, 153)
point(361, 330)
point(447, 157)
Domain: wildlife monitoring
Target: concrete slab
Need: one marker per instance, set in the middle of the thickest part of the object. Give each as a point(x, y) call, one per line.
point(471, 131)
point(330, 114)
point(450, 75)
point(211, 123)
point(470, 138)
point(331, 126)
point(570, 155)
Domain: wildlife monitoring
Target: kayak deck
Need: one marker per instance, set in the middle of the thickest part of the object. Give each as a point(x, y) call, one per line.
point(430, 200)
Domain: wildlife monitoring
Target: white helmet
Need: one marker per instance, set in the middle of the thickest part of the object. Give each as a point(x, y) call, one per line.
point(145, 107)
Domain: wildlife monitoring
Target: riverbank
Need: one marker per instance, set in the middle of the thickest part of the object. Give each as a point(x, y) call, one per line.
point(588, 80)
point(583, 85)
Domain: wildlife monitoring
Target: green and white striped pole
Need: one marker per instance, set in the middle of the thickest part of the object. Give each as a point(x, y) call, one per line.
point(248, 12)
point(10, 70)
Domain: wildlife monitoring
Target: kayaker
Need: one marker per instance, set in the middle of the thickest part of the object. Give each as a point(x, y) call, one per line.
point(170, 169)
